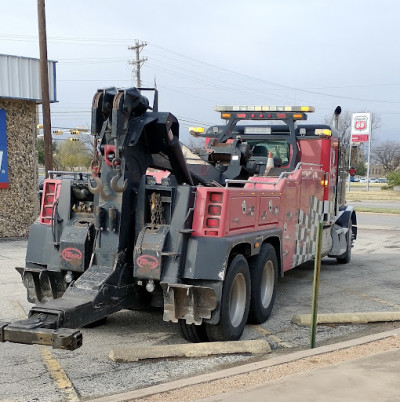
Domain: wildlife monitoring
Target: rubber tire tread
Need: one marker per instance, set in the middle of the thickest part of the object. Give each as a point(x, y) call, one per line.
point(193, 333)
point(224, 331)
point(346, 257)
point(258, 313)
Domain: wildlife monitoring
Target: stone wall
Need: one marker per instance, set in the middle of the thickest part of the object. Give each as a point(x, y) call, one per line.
point(19, 203)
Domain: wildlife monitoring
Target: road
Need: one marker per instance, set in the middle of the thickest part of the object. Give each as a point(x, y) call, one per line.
point(368, 283)
point(376, 204)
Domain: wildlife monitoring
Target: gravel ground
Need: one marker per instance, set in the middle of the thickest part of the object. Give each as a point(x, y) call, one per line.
point(237, 382)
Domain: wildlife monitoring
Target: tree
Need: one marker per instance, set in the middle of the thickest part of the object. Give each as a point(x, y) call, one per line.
point(361, 169)
point(73, 154)
point(393, 179)
point(40, 148)
point(344, 130)
point(387, 155)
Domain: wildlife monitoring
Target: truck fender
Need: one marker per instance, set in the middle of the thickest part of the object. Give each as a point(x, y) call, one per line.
point(208, 257)
point(346, 215)
point(339, 230)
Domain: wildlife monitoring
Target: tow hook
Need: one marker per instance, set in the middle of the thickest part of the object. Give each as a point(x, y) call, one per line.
point(99, 185)
point(95, 166)
point(114, 181)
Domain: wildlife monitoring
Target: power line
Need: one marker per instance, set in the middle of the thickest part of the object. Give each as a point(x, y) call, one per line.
point(274, 83)
point(112, 42)
point(138, 62)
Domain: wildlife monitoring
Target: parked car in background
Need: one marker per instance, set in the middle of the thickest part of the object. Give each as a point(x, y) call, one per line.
point(363, 179)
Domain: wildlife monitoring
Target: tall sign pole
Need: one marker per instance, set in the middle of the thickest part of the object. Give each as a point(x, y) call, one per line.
point(349, 166)
point(369, 160)
point(361, 132)
point(44, 78)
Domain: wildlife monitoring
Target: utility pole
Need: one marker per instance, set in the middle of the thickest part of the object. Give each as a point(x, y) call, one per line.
point(138, 62)
point(44, 78)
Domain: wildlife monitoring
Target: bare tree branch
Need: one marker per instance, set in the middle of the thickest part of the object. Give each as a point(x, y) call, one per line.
point(345, 124)
point(387, 154)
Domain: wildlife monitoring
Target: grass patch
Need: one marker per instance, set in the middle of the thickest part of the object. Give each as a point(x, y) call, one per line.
point(364, 185)
point(373, 195)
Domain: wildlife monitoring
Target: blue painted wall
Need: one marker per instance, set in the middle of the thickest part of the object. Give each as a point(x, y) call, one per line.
point(3, 150)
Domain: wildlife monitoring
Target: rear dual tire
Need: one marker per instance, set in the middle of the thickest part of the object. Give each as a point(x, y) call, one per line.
point(235, 303)
point(247, 295)
point(234, 307)
point(192, 332)
point(264, 282)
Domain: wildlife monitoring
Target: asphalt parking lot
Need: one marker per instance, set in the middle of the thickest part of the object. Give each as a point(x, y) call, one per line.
point(368, 283)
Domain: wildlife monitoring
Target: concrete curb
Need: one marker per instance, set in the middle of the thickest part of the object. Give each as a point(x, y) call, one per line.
point(133, 354)
point(156, 389)
point(347, 318)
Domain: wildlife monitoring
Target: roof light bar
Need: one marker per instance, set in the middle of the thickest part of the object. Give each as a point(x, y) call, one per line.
point(226, 108)
point(257, 130)
point(323, 131)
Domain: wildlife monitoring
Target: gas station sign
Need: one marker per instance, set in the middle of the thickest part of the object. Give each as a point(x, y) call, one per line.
point(360, 127)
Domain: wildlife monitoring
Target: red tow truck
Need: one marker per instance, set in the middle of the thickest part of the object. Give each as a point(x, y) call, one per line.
point(206, 242)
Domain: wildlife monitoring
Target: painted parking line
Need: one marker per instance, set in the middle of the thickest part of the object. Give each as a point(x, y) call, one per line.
point(58, 374)
point(378, 300)
point(272, 337)
point(54, 368)
point(16, 304)
point(365, 296)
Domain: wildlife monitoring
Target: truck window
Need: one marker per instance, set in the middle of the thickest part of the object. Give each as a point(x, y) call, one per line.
point(279, 149)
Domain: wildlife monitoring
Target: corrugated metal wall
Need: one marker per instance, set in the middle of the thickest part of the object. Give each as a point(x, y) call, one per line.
point(20, 78)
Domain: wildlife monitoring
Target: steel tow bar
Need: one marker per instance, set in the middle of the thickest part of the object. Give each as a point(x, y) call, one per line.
point(26, 332)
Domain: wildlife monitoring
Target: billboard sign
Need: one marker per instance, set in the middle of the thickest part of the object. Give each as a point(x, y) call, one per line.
point(3, 150)
point(360, 127)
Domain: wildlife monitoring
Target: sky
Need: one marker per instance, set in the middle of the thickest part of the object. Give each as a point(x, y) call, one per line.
point(205, 53)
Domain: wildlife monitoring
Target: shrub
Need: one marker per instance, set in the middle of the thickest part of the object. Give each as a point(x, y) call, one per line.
point(393, 179)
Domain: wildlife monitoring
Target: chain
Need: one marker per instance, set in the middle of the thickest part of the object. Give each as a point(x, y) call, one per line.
point(156, 209)
point(96, 162)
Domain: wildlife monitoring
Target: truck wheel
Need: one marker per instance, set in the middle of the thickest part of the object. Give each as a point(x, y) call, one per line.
point(193, 333)
point(346, 257)
point(264, 281)
point(235, 302)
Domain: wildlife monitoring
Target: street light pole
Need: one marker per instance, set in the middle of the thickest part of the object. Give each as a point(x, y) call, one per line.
point(44, 78)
